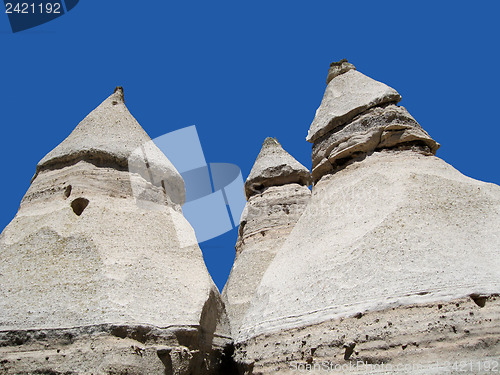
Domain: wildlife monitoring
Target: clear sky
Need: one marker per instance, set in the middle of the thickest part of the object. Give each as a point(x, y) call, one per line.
point(242, 71)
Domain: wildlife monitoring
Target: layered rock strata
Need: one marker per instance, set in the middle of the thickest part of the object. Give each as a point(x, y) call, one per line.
point(357, 116)
point(395, 259)
point(274, 167)
point(93, 282)
point(277, 195)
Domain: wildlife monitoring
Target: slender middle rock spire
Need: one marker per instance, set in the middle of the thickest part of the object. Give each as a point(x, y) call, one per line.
point(274, 166)
point(277, 195)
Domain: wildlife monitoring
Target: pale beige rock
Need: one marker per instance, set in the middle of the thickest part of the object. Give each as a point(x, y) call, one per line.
point(111, 136)
point(268, 218)
point(346, 96)
point(266, 222)
point(395, 229)
point(412, 339)
point(392, 260)
point(377, 128)
point(110, 349)
point(81, 253)
point(274, 166)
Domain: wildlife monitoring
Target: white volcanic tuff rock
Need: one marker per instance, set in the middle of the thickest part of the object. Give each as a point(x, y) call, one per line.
point(461, 331)
point(266, 222)
point(397, 228)
point(274, 166)
point(110, 135)
point(346, 96)
point(377, 128)
point(81, 253)
point(112, 262)
point(276, 199)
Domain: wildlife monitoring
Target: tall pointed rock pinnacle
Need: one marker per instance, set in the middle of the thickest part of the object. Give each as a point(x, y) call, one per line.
point(277, 195)
point(396, 257)
point(110, 135)
point(91, 281)
point(357, 116)
point(274, 166)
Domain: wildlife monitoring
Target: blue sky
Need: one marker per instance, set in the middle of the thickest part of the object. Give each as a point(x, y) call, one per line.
point(242, 71)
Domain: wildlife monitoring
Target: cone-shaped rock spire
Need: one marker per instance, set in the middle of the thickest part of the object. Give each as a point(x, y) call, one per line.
point(348, 93)
point(110, 284)
point(110, 135)
point(396, 249)
point(274, 166)
point(268, 218)
point(357, 116)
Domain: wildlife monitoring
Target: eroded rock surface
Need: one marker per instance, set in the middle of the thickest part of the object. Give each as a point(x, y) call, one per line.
point(346, 96)
point(358, 116)
point(274, 166)
point(337, 68)
point(392, 243)
point(411, 339)
point(382, 127)
point(92, 282)
point(268, 218)
point(396, 228)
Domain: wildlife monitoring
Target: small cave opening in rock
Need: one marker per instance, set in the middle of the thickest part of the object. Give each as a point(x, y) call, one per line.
point(479, 299)
point(79, 205)
point(67, 191)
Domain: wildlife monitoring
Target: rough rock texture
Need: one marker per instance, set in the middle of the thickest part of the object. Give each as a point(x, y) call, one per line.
point(113, 349)
point(358, 116)
point(111, 136)
point(390, 266)
point(268, 218)
point(338, 68)
point(274, 166)
point(388, 126)
point(92, 282)
point(393, 230)
point(395, 260)
point(346, 96)
point(410, 339)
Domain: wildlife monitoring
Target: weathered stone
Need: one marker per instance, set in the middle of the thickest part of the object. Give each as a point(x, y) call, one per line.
point(82, 253)
point(111, 136)
point(274, 166)
point(412, 339)
point(268, 218)
point(377, 128)
point(346, 96)
point(395, 259)
point(338, 68)
point(397, 228)
point(109, 349)
point(265, 224)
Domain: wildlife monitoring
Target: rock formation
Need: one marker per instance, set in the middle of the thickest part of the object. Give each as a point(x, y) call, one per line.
point(93, 282)
point(395, 259)
point(391, 265)
point(277, 194)
point(365, 120)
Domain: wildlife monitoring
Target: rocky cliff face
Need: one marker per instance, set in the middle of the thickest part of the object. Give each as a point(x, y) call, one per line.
point(394, 260)
point(277, 195)
point(93, 282)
